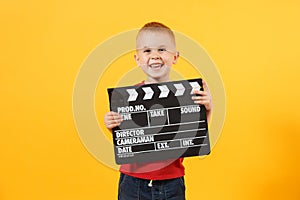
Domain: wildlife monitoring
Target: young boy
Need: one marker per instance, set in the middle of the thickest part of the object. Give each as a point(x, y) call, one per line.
point(155, 54)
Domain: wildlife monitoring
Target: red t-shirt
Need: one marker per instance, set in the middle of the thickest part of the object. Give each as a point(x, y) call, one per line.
point(161, 170)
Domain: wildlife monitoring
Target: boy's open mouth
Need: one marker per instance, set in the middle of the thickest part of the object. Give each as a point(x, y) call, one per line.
point(156, 65)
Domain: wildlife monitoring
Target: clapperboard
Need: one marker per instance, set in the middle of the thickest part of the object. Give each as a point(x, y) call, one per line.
point(160, 121)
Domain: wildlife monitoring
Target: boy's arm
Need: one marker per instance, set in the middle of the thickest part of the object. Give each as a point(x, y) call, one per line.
point(112, 119)
point(204, 98)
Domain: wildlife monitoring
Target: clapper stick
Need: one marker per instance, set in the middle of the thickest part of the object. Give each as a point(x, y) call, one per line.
point(160, 121)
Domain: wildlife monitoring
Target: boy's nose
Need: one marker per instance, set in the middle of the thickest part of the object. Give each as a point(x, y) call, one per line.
point(155, 56)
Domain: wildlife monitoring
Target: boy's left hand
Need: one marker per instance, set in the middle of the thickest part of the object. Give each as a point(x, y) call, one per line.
point(204, 97)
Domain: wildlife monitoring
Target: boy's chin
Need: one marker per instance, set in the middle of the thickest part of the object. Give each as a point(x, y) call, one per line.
point(157, 78)
point(157, 74)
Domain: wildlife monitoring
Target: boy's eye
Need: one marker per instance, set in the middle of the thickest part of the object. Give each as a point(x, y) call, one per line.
point(162, 49)
point(150, 50)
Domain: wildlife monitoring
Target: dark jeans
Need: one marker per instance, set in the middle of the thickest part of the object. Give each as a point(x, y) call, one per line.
point(131, 188)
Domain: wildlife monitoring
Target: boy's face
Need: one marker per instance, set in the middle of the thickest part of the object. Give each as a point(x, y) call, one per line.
point(156, 53)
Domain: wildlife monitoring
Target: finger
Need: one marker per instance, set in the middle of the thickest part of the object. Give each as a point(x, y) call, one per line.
point(199, 102)
point(108, 115)
point(199, 97)
point(117, 115)
point(205, 85)
point(116, 121)
point(113, 115)
point(112, 124)
point(202, 96)
point(114, 118)
point(199, 92)
point(202, 102)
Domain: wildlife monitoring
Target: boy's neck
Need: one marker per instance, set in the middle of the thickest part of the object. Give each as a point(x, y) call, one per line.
point(150, 80)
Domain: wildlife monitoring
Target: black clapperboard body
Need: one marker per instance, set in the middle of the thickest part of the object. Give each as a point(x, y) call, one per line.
point(160, 121)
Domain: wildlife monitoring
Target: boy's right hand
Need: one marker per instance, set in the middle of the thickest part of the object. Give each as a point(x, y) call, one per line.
point(112, 119)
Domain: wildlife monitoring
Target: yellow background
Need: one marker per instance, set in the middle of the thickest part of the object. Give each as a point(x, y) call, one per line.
point(255, 45)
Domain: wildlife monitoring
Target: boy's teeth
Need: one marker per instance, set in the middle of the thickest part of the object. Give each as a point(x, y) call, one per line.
point(155, 65)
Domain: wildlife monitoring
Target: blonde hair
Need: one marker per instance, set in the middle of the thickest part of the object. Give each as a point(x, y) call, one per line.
point(156, 27)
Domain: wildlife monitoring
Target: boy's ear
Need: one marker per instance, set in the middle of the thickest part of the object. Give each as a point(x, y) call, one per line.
point(176, 56)
point(136, 58)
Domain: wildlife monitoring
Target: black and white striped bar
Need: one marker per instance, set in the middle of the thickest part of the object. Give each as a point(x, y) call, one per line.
point(160, 121)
